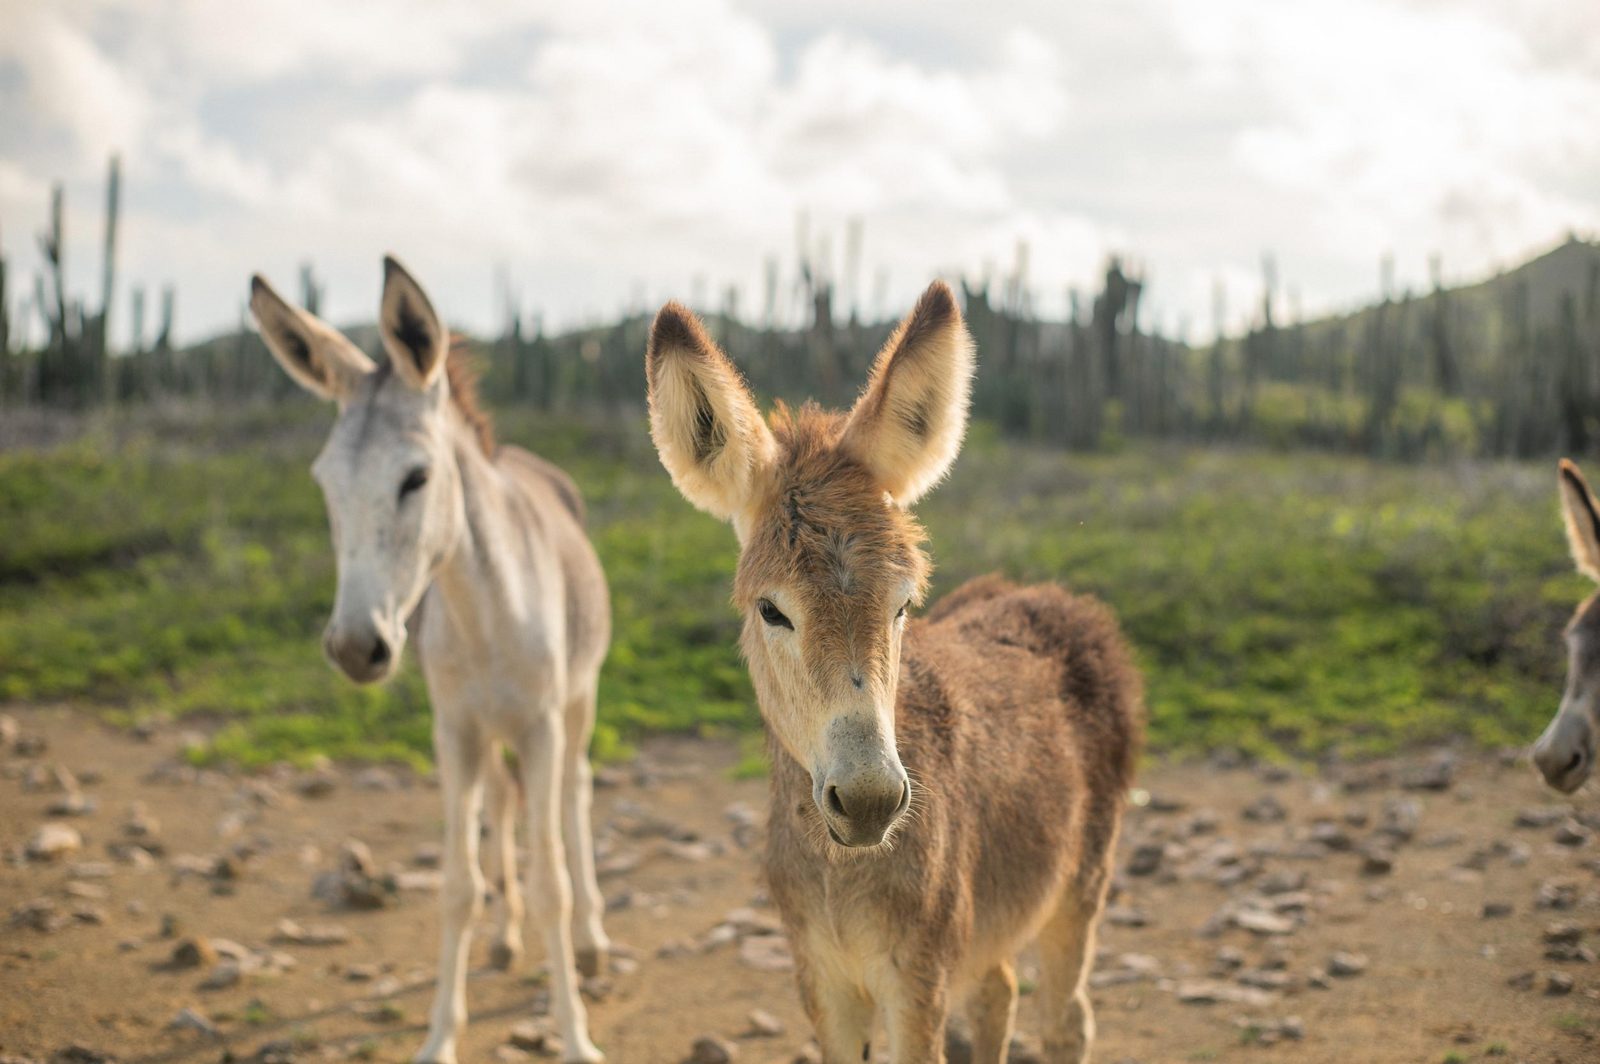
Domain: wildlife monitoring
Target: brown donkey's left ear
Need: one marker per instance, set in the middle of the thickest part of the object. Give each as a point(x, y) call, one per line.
point(1582, 518)
point(907, 426)
point(412, 332)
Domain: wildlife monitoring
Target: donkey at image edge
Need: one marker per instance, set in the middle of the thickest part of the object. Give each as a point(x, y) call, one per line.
point(943, 790)
point(1565, 752)
point(479, 552)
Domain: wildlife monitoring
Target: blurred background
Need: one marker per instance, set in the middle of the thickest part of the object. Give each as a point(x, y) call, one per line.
point(1283, 314)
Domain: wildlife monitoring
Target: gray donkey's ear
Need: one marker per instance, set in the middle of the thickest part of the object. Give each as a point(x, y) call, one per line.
point(317, 356)
point(412, 332)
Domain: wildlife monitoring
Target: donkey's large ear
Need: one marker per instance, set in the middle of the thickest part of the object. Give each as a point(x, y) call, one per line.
point(412, 332)
point(319, 357)
point(707, 428)
point(1582, 516)
point(907, 426)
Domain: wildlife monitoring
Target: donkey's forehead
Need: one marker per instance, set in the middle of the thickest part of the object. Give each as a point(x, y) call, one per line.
point(383, 415)
point(832, 534)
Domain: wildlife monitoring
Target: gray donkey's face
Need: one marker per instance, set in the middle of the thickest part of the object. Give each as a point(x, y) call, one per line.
point(387, 472)
point(1565, 753)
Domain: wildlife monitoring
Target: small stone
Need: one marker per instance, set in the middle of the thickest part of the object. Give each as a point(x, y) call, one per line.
point(535, 1036)
point(1263, 923)
point(710, 1049)
point(764, 1024)
point(194, 953)
point(1401, 816)
point(1228, 960)
point(428, 855)
point(312, 935)
point(223, 975)
point(1557, 984)
point(1376, 862)
point(1434, 775)
point(1265, 810)
point(1146, 859)
point(1495, 910)
point(73, 803)
point(1212, 992)
point(191, 1020)
point(1557, 894)
point(1562, 934)
point(1126, 916)
point(140, 824)
point(53, 841)
point(1344, 965)
point(1542, 816)
point(1521, 981)
point(1571, 833)
point(317, 785)
point(9, 729)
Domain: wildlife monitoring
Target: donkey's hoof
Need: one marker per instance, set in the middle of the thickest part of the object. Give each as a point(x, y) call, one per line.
point(591, 962)
point(503, 956)
point(590, 1054)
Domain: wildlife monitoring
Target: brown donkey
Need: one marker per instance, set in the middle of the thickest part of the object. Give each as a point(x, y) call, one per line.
point(943, 790)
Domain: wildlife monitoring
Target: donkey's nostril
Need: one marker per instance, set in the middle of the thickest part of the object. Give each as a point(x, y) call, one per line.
point(1575, 764)
point(380, 652)
point(835, 802)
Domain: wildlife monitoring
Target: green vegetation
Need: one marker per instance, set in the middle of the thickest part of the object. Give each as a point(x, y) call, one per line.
point(166, 565)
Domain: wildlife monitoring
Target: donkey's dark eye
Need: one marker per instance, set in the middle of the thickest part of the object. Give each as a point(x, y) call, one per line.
point(773, 616)
point(902, 612)
point(414, 480)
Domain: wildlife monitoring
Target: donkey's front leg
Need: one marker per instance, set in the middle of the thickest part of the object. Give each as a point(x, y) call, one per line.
point(459, 748)
point(577, 798)
point(543, 749)
point(840, 1011)
point(915, 1008)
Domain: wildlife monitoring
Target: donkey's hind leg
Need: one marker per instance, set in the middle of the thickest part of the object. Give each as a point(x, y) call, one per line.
point(577, 798)
point(1066, 950)
point(990, 1012)
point(503, 804)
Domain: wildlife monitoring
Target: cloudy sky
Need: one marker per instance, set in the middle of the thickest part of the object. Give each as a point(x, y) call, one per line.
point(603, 155)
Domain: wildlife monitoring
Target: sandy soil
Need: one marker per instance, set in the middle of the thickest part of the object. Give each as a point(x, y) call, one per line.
point(1213, 903)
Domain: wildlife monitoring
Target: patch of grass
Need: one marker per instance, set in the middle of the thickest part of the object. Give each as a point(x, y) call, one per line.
point(256, 1013)
point(1453, 1057)
point(1278, 602)
point(1496, 1049)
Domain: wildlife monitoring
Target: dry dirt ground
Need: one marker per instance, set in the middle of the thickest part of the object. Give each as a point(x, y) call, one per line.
point(1461, 899)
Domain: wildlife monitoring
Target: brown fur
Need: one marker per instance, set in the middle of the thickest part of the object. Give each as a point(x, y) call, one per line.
point(1016, 711)
point(463, 373)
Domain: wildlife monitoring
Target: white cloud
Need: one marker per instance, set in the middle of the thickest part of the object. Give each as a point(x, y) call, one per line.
point(599, 148)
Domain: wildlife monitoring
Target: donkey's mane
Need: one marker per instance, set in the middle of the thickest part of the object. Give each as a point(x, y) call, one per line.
point(462, 371)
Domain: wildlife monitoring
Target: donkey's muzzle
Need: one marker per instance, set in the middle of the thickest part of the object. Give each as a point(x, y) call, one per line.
point(1565, 752)
point(363, 654)
point(860, 807)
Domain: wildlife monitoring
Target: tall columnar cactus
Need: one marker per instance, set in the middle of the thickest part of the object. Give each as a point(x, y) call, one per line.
point(108, 276)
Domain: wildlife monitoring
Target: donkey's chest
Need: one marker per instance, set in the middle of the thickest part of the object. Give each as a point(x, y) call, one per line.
point(476, 658)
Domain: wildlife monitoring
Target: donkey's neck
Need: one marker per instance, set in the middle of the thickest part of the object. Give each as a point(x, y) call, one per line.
point(479, 581)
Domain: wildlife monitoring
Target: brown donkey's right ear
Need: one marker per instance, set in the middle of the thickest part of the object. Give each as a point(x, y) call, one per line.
point(706, 426)
point(1582, 517)
point(907, 426)
point(319, 357)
